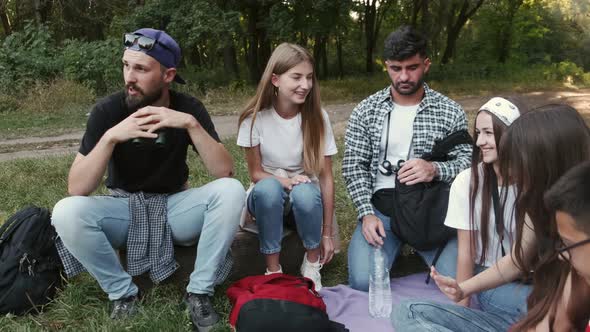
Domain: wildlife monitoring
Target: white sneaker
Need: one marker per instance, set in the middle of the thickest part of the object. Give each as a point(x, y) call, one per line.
point(312, 271)
point(273, 272)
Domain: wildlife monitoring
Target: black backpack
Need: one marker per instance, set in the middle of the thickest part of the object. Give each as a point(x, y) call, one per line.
point(30, 268)
point(418, 211)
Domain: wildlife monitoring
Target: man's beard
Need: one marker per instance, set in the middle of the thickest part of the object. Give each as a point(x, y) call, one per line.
point(141, 100)
point(414, 87)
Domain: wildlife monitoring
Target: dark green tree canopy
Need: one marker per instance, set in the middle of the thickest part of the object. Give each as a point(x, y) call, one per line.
point(228, 40)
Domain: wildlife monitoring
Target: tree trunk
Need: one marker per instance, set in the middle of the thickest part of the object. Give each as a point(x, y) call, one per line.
point(17, 20)
point(36, 6)
point(5, 22)
point(370, 13)
point(374, 13)
point(252, 57)
point(195, 57)
point(325, 57)
point(452, 36)
point(230, 63)
point(454, 27)
point(302, 39)
point(416, 7)
point(316, 55)
point(42, 10)
point(320, 56)
point(339, 56)
point(425, 19)
point(437, 27)
point(506, 31)
point(504, 41)
point(264, 50)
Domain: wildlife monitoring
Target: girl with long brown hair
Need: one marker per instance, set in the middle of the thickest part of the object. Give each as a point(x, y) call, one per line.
point(556, 139)
point(289, 142)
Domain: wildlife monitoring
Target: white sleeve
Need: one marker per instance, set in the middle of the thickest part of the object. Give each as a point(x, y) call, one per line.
point(458, 209)
point(330, 142)
point(244, 134)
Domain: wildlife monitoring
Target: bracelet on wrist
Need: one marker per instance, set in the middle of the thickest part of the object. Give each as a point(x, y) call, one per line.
point(327, 237)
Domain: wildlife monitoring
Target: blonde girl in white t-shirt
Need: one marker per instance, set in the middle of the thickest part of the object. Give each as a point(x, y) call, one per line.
point(289, 143)
point(482, 238)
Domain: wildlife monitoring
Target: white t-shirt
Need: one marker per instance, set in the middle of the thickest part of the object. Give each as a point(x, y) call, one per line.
point(281, 140)
point(401, 129)
point(458, 216)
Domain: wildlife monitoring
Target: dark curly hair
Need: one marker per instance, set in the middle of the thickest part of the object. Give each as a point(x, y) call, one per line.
point(403, 43)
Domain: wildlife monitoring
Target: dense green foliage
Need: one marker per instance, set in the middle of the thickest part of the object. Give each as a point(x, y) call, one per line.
point(226, 43)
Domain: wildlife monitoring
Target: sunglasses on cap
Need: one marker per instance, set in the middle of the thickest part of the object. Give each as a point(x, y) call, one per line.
point(143, 42)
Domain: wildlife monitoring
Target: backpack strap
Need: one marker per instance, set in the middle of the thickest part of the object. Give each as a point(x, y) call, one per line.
point(439, 251)
point(13, 223)
point(442, 147)
point(498, 212)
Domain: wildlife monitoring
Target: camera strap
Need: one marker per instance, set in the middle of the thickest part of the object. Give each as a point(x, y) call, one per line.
point(387, 137)
point(387, 140)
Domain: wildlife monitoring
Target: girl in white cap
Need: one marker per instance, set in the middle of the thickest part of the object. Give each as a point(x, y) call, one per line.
point(483, 215)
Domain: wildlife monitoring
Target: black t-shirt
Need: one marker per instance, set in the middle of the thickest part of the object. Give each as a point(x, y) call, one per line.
point(145, 167)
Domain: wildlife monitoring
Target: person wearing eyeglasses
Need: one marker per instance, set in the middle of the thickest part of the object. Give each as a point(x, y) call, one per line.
point(569, 201)
point(140, 137)
point(403, 120)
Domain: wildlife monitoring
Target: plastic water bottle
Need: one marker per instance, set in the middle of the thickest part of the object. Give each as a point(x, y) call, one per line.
point(379, 289)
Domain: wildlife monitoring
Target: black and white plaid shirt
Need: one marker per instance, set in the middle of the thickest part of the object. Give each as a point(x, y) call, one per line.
point(438, 116)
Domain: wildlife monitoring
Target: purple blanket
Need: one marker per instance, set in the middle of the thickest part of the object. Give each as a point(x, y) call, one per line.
point(351, 308)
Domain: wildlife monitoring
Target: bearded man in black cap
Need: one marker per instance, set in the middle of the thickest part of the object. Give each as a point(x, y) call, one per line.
point(141, 136)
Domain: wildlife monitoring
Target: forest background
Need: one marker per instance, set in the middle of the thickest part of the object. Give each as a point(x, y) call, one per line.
point(59, 55)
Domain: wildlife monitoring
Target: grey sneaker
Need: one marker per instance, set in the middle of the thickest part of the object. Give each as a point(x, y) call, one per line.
point(124, 308)
point(201, 310)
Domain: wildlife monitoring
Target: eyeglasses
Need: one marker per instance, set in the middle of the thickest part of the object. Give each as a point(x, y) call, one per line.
point(143, 42)
point(561, 249)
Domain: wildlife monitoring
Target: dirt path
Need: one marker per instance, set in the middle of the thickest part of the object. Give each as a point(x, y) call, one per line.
point(227, 125)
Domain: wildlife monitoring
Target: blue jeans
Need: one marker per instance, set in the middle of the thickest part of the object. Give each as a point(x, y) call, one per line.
point(501, 307)
point(508, 299)
point(359, 252)
point(266, 203)
point(91, 228)
point(416, 315)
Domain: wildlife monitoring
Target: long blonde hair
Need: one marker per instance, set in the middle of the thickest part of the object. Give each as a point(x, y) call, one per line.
point(283, 58)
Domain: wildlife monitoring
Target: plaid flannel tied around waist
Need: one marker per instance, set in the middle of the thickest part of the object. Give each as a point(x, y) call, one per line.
point(149, 242)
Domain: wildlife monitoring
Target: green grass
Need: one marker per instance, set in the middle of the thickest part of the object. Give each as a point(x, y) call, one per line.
point(45, 109)
point(20, 124)
point(59, 107)
point(81, 304)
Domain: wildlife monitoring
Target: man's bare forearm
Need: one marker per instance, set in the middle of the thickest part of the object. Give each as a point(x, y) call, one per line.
point(216, 158)
point(87, 171)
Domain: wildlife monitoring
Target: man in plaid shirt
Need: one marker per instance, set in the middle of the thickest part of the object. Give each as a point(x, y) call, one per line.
point(396, 124)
